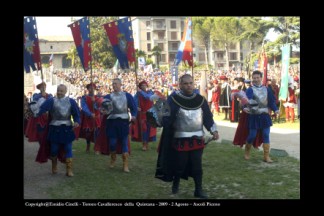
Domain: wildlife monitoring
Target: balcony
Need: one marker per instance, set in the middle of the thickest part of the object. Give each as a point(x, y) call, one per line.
point(159, 27)
point(156, 39)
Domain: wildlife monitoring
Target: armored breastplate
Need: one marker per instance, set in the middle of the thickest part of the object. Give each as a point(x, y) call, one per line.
point(119, 103)
point(261, 96)
point(188, 123)
point(61, 112)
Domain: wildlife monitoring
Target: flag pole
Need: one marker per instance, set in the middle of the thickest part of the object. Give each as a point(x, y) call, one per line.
point(192, 66)
point(136, 57)
point(92, 102)
point(38, 51)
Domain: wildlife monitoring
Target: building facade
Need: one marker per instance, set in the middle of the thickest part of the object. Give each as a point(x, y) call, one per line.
point(59, 47)
point(165, 32)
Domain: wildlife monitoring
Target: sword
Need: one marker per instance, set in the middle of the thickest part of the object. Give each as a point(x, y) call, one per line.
point(208, 140)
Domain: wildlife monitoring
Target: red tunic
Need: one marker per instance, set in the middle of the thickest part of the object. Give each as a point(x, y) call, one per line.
point(242, 132)
point(141, 122)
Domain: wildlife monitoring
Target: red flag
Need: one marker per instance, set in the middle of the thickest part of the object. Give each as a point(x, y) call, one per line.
point(81, 35)
point(185, 49)
point(264, 67)
point(120, 35)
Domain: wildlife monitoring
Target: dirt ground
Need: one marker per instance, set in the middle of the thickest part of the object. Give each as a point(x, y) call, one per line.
point(38, 177)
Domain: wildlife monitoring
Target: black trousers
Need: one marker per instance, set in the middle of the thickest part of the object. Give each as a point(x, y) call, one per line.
point(188, 161)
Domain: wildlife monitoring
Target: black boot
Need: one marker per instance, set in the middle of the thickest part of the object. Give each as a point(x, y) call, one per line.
point(198, 188)
point(175, 185)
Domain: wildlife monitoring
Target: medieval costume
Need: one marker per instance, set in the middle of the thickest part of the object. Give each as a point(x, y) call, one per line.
point(182, 140)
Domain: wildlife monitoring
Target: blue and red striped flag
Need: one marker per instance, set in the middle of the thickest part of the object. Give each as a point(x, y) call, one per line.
point(185, 49)
point(31, 45)
point(120, 35)
point(81, 35)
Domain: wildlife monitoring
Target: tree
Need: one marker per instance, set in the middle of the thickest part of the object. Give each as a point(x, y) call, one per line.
point(149, 61)
point(253, 30)
point(101, 50)
point(73, 56)
point(202, 29)
point(289, 29)
point(289, 32)
point(140, 53)
point(226, 31)
point(156, 51)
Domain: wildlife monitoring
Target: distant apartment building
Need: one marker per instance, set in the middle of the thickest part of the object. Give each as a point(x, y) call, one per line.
point(59, 47)
point(165, 32)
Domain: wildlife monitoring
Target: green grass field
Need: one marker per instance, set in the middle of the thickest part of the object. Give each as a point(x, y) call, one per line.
point(226, 176)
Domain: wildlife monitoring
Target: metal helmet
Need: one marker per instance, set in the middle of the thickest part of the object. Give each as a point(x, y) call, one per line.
point(155, 114)
point(35, 105)
point(107, 106)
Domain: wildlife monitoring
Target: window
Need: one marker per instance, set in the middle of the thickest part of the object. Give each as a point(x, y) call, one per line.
point(174, 36)
point(182, 24)
point(201, 57)
point(174, 46)
point(51, 47)
point(66, 63)
point(181, 35)
point(171, 57)
point(233, 56)
point(220, 56)
point(148, 47)
point(148, 24)
point(241, 56)
point(163, 58)
point(159, 24)
point(148, 35)
point(161, 46)
point(160, 35)
point(173, 24)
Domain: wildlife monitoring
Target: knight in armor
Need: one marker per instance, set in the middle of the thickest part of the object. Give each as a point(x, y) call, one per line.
point(117, 124)
point(90, 115)
point(61, 133)
point(36, 126)
point(142, 130)
point(259, 118)
point(182, 143)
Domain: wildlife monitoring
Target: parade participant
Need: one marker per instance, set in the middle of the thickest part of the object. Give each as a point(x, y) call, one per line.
point(36, 126)
point(117, 124)
point(182, 143)
point(90, 115)
point(225, 97)
point(60, 133)
point(216, 96)
point(259, 118)
point(242, 130)
point(142, 130)
point(235, 108)
point(27, 113)
point(290, 103)
point(247, 84)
